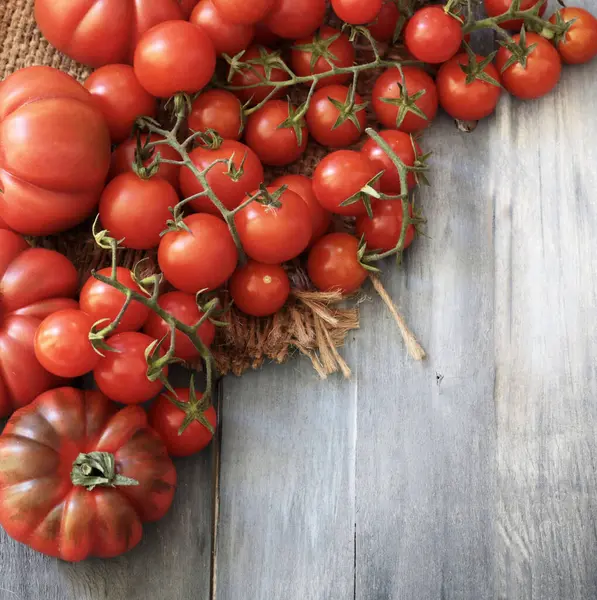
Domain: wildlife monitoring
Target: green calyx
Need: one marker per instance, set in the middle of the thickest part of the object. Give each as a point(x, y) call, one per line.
point(320, 48)
point(194, 409)
point(475, 69)
point(520, 51)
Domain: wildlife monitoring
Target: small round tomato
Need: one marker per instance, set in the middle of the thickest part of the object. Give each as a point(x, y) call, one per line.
point(340, 176)
point(384, 26)
point(202, 258)
point(333, 264)
point(494, 8)
point(388, 98)
point(294, 19)
point(175, 56)
point(273, 235)
point(383, 231)
point(273, 144)
point(259, 290)
point(218, 110)
point(241, 11)
point(122, 373)
point(187, 7)
point(314, 55)
point(184, 308)
point(541, 73)
point(117, 92)
point(102, 302)
point(580, 43)
point(227, 36)
point(62, 344)
point(323, 117)
point(231, 188)
point(357, 12)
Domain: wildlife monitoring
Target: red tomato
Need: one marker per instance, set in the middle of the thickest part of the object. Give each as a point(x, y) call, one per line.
point(3, 224)
point(46, 506)
point(62, 344)
point(580, 43)
point(264, 36)
point(384, 26)
point(55, 151)
point(184, 308)
point(121, 99)
point(339, 53)
point(102, 302)
point(333, 264)
point(34, 283)
point(175, 56)
point(357, 12)
point(275, 145)
point(218, 110)
point(227, 37)
point(200, 260)
point(339, 176)
point(542, 71)
point(388, 87)
point(294, 19)
point(274, 235)
point(259, 290)
point(241, 11)
point(493, 8)
point(323, 115)
point(187, 7)
point(383, 231)
point(231, 191)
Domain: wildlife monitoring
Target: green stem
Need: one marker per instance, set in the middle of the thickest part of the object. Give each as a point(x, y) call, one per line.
point(529, 17)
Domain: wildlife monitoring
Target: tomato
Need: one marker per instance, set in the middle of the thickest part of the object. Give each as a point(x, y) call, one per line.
point(264, 36)
point(121, 99)
point(187, 7)
point(303, 186)
point(384, 26)
point(341, 175)
point(175, 56)
point(200, 260)
point(275, 145)
point(103, 303)
point(218, 110)
point(294, 19)
point(357, 12)
point(274, 235)
point(184, 308)
point(580, 42)
point(259, 290)
point(3, 224)
point(333, 264)
point(323, 116)
point(104, 32)
point(62, 344)
point(383, 231)
point(542, 71)
point(231, 191)
point(227, 37)
point(34, 283)
point(55, 151)
point(241, 11)
point(493, 8)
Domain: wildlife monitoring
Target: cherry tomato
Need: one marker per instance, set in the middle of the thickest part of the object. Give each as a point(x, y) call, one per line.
point(384, 26)
point(101, 301)
point(184, 308)
point(62, 344)
point(202, 259)
point(227, 36)
point(493, 8)
point(187, 7)
point(357, 12)
point(333, 264)
point(388, 87)
point(230, 190)
point(259, 290)
point(175, 56)
point(241, 11)
point(383, 231)
point(294, 19)
point(264, 36)
point(218, 110)
point(341, 175)
point(120, 97)
point(122, 374)
point(274, 235)
point(275, 145)
point(542, 71)
point(580, 44)
point(323, 116)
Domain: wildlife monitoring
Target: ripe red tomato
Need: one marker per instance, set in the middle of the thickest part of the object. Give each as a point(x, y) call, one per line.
point(121, 99)
point(333, 264)
point(241, 11)
point(323, 116)
point(493, 8)
point(101, 301)
point(231, 191)
point(218, 110)
point(175, 56)
point(264, 36)
point(55, 151)
point(383, 231)
point(274, 235)
point(34, 283)
point(357, 12)
point(542, 71)
point(384, 26)
point(580, 44)
point(62, 344)
point(341, 175)
point(275, 145)
point(184, 308)
point(187, 7)
point(259, 290)
point(294, 19)
point(46, 500)
point(200, 260)
point(388, 87)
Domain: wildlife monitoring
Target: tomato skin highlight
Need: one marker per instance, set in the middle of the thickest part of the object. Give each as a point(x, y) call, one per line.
point(382, 232)
point(293, 19)
point(580, 43)
point(357, 12)
point(218, 110)
point(241, 11)
point(493, 8)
